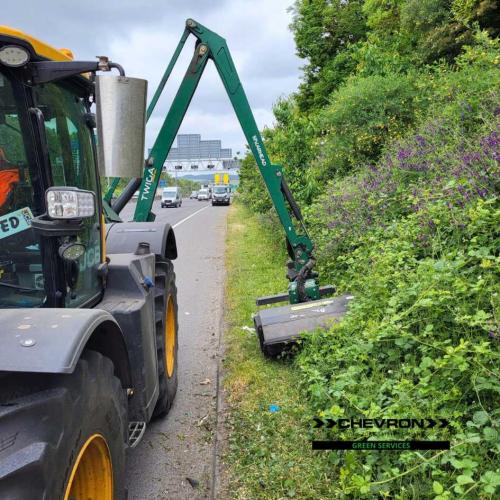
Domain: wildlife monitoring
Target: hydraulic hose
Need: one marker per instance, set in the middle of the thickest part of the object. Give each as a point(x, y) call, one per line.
point(302, 275)
point(119, 67)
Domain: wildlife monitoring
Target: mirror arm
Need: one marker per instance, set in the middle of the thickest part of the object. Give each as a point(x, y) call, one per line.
point(51, 71)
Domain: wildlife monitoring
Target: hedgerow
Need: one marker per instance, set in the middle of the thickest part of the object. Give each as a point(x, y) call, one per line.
point(401, 163)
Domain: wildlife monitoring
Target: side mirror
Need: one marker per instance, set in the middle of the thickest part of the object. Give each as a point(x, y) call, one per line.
point(121, 124)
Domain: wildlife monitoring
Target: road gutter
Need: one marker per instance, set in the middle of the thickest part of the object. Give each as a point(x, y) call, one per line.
point(217, 491)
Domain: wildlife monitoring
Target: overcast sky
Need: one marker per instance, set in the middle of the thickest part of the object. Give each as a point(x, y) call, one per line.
point(142, 35)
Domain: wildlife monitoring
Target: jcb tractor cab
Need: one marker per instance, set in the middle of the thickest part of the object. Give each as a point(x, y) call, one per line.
point(88, 311)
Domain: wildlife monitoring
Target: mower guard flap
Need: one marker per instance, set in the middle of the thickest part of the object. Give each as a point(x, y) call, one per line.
point(278, 327)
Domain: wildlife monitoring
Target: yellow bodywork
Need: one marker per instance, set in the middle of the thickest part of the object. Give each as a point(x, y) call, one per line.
point(41, 48)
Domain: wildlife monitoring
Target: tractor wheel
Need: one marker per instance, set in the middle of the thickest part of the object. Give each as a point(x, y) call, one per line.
point(166, 334)
point(63, 436)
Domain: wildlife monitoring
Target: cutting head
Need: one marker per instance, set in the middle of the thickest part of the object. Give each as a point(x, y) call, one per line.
point(279, 327)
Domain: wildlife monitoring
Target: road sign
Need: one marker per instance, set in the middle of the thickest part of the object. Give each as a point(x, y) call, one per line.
point(162, 183)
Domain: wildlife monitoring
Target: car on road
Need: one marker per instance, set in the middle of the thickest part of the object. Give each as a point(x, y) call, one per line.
point(221, 195)
point(203, 195)
point(171, 197)
point(193, 195)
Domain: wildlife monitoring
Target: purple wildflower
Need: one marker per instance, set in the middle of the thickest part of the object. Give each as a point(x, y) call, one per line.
point(403, 154)
point(421, 141)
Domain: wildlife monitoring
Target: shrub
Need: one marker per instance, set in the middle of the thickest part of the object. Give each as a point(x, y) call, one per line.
point(415, 238)
point(362, 116)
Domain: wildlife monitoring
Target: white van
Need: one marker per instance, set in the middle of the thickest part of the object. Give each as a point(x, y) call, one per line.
point(171, 197)
point(203, 194)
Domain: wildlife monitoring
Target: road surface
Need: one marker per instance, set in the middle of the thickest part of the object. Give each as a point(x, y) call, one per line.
point(177, 456)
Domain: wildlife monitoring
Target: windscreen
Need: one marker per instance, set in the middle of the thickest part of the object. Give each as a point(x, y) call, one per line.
point(21, 279)
point(220, 190)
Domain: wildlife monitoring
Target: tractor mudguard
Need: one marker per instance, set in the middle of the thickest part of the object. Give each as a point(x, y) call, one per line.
point(52, 340)
point(123, 237)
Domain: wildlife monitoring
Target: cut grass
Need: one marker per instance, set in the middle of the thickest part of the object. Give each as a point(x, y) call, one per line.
point(269, 453)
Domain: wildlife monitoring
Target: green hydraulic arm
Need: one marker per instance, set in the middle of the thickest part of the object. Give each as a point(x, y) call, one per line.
point(113, 185)
point(209, 45)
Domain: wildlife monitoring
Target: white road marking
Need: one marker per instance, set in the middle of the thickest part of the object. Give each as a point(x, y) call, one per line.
point(189, 216)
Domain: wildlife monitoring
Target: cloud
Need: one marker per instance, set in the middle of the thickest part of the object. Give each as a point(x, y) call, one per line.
point(143, 35)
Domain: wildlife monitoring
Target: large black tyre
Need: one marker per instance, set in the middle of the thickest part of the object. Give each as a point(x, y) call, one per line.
point(166, 334)
point(48, 421)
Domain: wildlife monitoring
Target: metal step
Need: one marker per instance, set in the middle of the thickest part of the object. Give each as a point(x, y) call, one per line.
point(135, 433)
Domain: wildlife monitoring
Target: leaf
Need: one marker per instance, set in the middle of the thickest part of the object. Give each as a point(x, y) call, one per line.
point(467, 463)
point(426, 362)
point(473, 438)
point(437, 487)
point(480, 417)
point(490, 434)
point(491, 478)
point(463, 479)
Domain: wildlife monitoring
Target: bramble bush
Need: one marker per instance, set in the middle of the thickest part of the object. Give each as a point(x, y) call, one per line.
point(452, 155)
point(421, 340)
point(415, 238)
point(402, 168)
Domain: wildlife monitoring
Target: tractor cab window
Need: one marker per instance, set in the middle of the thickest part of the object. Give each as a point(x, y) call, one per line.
point(21, 278)
point(72, 164)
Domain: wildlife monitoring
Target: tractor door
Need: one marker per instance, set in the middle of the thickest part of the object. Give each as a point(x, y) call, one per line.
point(73, 164)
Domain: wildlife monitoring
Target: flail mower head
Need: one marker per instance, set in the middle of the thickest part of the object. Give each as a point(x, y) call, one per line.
point(278, 328)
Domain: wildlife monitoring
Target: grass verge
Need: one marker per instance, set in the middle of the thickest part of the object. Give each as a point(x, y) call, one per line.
point(269, 452)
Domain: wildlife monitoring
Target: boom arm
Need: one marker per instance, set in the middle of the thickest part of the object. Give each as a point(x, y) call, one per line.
point(211, 46)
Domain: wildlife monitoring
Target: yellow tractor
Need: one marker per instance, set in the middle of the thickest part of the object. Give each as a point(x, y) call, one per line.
point(88, 309)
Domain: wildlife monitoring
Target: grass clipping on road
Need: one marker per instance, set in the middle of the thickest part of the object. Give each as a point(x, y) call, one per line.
point(269, 451)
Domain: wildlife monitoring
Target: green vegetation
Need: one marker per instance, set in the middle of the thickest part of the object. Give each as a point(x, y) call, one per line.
point(186, 185)
point(392, 147)
point(269, 454)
